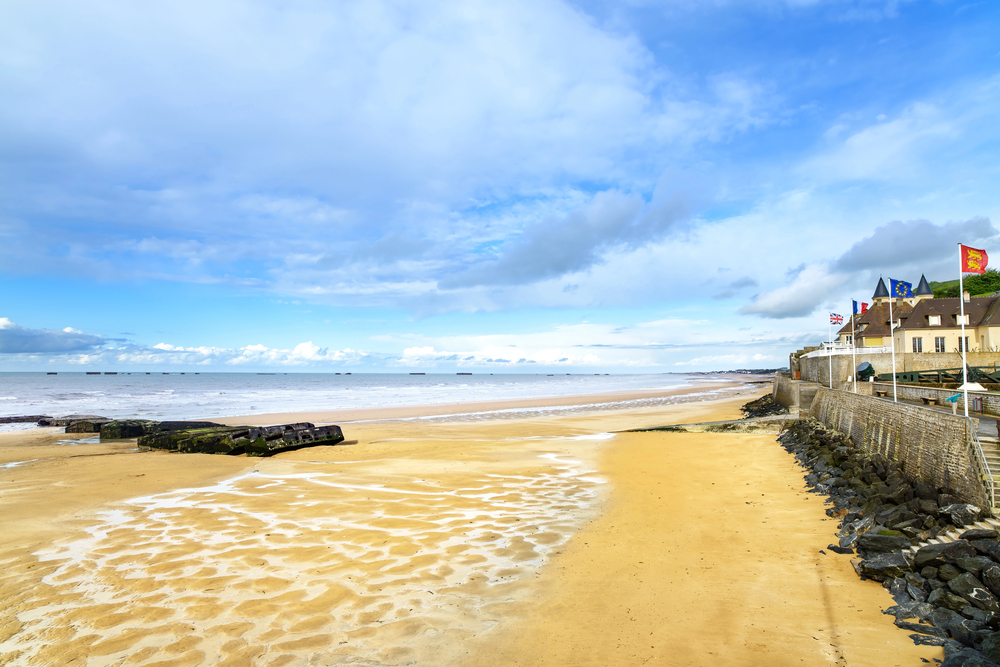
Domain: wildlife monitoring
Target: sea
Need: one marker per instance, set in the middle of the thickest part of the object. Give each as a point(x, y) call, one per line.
point(166, 396)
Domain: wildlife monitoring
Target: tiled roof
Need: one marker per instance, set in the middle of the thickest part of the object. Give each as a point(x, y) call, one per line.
point(982, 311)
point(877, 319)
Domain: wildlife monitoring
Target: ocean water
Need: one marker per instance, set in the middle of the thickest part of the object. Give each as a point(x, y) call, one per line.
point(212, 395)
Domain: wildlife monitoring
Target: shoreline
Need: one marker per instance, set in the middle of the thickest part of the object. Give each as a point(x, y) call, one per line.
point(598, 401)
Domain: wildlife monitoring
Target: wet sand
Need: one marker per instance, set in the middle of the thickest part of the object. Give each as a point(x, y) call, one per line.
point(536, 539)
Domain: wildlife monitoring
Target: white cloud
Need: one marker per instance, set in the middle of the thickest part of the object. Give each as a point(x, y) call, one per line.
point(811, 287)
point(16, 339)
point(733, 361)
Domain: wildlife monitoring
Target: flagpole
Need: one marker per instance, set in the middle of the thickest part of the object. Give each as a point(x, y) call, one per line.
point(961, 343)
point(892, 341)
point(854, 349)
point(829, 327)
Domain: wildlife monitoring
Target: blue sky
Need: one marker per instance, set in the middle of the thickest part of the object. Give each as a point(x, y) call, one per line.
point(513, 187)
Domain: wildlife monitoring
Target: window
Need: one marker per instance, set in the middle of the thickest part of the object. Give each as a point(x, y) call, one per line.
point(934, 320)
point(966, 344)
point(918, 344)
point(939, 344)
point(962, 319)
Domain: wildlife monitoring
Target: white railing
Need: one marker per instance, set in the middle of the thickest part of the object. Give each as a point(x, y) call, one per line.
point(981, 463)
point(835, 349)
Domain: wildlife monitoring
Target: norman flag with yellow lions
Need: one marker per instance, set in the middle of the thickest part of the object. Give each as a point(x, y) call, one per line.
point(974, 260)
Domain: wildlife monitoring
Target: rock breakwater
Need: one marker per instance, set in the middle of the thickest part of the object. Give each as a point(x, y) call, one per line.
point(946, 592)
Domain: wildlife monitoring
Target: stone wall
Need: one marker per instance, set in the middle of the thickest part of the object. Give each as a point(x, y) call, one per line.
point(928, 445)
point(817, 369)
point(782, 389)
point(793, 394)
point(909, 392)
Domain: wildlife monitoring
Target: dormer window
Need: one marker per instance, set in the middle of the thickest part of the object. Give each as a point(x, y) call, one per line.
point(962, 319)
point(934, 320)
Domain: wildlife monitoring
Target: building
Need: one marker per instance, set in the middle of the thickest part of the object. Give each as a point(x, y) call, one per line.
point(925, 325)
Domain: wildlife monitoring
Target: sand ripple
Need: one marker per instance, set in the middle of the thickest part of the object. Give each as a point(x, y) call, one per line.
point(300, 563)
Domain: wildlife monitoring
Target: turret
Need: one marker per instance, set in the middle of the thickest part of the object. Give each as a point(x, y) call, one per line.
point(881, 294)
point(922, 290)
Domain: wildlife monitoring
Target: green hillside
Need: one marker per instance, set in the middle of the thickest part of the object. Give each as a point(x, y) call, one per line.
point(983, 284)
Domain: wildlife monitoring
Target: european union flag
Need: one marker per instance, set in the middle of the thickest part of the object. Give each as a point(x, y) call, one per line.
point(899, 289)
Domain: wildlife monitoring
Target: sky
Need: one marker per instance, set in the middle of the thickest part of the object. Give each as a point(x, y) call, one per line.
point(630, 187)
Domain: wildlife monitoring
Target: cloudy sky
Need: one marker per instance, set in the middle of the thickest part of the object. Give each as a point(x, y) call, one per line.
point(639, 186)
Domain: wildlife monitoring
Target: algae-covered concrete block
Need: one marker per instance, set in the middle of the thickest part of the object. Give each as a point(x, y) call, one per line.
point(135, 428)
point(234, 440)
point(86, 425)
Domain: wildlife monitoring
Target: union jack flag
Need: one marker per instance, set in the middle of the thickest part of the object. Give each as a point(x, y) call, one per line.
point(836, 319)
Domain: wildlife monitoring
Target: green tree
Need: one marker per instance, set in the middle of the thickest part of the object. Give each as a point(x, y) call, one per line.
point(982, 284)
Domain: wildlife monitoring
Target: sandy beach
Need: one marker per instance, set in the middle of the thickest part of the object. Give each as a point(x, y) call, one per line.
point(440, 536)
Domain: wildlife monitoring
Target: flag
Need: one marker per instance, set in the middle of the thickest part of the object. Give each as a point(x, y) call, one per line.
point(973, 260)
point(900, 289)
point(864, 307)
point(855, 304)
point(836, 319)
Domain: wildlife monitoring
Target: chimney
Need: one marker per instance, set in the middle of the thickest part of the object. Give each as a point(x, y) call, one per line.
point(965, 295)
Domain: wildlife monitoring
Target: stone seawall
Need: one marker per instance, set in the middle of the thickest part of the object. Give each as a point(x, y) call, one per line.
point(817, 369)
point(929, 446)
point(793, 394)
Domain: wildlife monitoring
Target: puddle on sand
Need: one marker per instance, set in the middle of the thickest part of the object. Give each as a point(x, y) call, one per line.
point(304, 564)
point(90, 440)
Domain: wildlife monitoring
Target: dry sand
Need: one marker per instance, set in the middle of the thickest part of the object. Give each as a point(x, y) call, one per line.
point(536, 539)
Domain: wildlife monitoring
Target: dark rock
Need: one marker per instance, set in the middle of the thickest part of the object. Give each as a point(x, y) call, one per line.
point(975, 564)
point(929, 507)
point(967, 657)
point(925, 491)
point(848, 541)
point(943, 597)
point(939, 554)
point(962, 514)
point(922, 628)
point(897, 589)
point(69, 419)
point(991, 647)
point(916, 592)
point(945, 618)
point(965, 632)
point(979, 534)
point(991, 577)
point(839, 550)
point(907, 610)
point(927, 640)
point(765, 406)
point(883, 566)
point(985, 618)
point(989, 548)
point(936, 584)
point(947, 572)
point(974, 591)
point(947, 499)
point(876, 544)
point(929, 572)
